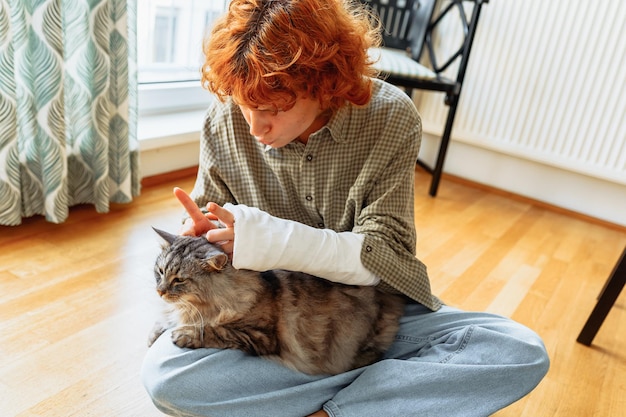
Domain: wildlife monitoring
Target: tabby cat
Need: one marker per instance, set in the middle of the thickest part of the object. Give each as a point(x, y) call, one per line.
point(304, 322)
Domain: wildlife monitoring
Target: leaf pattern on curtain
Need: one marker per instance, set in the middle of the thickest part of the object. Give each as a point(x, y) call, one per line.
point(68, 106)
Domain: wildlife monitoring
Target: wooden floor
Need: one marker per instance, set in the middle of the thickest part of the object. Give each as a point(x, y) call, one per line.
point(76, 299)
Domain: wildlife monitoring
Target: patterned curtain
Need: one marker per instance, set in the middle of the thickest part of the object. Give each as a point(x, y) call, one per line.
point(68, 106)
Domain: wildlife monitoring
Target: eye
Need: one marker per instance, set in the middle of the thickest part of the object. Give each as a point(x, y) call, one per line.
point(272, 111)
point(177, 280)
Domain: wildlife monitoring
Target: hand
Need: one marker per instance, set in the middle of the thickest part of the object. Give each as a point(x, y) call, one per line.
point(198, 223)
point(224, 236)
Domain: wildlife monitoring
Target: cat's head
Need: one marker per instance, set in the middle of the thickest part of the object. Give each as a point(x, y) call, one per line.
point(184, 268)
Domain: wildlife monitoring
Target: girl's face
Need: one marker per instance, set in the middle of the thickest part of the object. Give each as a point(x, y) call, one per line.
point(278, 128)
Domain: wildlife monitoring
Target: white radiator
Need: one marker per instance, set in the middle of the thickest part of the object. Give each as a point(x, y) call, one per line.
point(546, 82)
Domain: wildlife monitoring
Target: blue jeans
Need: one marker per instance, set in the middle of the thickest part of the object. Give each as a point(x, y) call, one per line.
point(444, 363)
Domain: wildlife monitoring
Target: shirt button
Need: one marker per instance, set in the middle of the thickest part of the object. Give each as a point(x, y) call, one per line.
point(309, 198)
point(309, 157)
point(368, 248)
point(320, 225)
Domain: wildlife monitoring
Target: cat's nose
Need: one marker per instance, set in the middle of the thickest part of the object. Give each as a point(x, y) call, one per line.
point(160, 292)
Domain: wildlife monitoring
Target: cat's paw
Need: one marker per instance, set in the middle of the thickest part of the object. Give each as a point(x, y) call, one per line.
point(186, 337)
point(156, 331)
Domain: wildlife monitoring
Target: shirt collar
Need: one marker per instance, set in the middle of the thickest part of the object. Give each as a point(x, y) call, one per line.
point(336, 123)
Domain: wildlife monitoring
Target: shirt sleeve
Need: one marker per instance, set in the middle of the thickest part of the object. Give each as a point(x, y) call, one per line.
point(386, 215)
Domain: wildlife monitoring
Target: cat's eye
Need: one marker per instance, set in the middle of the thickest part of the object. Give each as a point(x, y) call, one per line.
point(158, 272)
point(178, 280)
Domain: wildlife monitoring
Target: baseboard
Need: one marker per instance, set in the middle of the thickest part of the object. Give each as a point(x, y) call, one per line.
point(534, 202)
point(570, 191)
point(155, 180)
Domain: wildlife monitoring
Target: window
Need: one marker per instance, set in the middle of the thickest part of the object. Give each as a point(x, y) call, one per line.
point(169, 53)
point(164, 35)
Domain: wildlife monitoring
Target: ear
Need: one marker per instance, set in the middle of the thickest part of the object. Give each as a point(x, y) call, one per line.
point(168, 237)
point(217, 261)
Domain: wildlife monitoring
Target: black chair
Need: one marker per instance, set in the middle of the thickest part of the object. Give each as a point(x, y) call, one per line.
point(409, 28)
point(607, 298)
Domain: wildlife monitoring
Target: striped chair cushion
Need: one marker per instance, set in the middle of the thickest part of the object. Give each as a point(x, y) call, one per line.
point(399, 63)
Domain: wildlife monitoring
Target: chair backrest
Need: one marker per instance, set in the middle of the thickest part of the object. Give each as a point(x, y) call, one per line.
point(409, 25)
point(404, 22)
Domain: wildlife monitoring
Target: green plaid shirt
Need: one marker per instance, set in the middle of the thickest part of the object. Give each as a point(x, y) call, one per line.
point(355, 174)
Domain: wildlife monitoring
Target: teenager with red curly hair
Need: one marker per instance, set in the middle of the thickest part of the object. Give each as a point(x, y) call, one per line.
point(308, 160)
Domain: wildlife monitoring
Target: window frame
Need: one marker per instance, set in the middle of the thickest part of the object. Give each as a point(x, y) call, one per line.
point(183, 91)
point(172, 97)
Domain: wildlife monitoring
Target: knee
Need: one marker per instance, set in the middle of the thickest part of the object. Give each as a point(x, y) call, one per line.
point(535, 349)
point(160, 386)
point(539, 362)
point(530, 355)
point(167, 376)
point(187, 381)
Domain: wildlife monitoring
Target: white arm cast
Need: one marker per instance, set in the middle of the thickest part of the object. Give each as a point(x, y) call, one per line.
point(264, 242)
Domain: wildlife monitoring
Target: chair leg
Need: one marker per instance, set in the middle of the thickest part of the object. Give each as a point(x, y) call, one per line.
point(443, 148)
point(607, 298)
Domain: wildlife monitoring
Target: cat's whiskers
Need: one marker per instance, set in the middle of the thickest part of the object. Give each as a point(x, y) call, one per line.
point(193, 314)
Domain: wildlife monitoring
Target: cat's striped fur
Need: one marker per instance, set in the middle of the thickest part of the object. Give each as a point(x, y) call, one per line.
point(307, 323)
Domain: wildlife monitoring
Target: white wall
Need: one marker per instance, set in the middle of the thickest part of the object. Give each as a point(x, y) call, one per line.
point(591, 196)
point(169, 142)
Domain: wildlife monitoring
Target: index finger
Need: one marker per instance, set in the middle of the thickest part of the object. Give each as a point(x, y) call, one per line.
point(191, 207)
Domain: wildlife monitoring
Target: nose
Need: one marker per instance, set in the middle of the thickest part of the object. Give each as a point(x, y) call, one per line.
point(259, 124)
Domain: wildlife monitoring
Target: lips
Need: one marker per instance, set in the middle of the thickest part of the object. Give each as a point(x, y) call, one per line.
point(264, 141)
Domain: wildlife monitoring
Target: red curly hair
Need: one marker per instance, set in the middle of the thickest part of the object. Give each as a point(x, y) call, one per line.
point(267, 51)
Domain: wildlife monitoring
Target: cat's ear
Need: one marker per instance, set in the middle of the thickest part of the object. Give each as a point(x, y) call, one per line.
point(168, 237)
point(216, 261)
